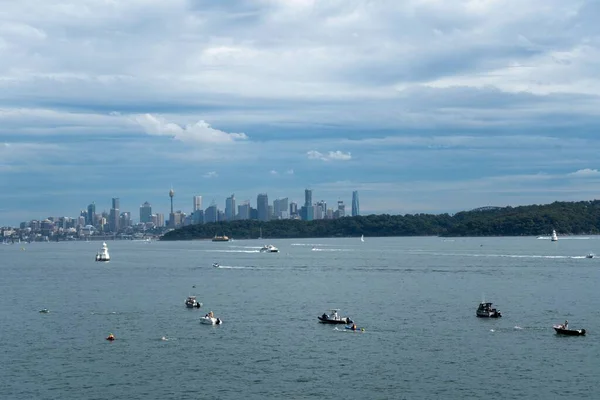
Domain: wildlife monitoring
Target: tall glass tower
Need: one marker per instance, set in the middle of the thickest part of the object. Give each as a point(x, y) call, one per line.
point(355, 204)
point(262, 206)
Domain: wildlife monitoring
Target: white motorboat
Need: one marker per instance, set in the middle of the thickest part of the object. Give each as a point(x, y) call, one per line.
point(191, 302)
point(103, 255)
point(334, 318)
point(269, 248)
point(554, 237)
point(590, 255)
point(209, 319)
point(216, 265)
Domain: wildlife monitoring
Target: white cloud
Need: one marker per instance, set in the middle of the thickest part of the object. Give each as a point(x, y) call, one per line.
point(273, 172)
point(211, 174)
point(586, 172)
point(200, 132)
point(331, 156)
point(290, 172)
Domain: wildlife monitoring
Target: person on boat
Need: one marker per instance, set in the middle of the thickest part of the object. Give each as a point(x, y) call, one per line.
point(110, 337)
point(354, 327)
point(566, 325)
point(324, 316)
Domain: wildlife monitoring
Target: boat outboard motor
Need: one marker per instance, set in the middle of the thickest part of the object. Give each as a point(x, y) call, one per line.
point(218, 321)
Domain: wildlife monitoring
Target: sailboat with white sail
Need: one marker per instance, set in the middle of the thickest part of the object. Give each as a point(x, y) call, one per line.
point(362, 238)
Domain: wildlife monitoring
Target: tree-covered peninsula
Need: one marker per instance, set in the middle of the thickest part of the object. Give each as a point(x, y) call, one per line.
point(574, 218)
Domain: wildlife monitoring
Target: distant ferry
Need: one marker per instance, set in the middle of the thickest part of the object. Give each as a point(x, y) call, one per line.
point(220, 239)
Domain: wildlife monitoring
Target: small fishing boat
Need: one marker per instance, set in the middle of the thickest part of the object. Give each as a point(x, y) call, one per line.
point(590, 255)
point(334, 318)
point(216, 265)
point(485, 310)
point(562, 330)
point(191, 302)
point(44, 311)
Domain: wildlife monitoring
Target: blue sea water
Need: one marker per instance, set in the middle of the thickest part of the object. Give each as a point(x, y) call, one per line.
point(415, 297)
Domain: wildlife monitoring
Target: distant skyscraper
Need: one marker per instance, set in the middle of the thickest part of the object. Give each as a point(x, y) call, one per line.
point(293, 209)
point(145, 213)
point(355, 204)
point(125, 220)
point(91, 214)
point(113, 219)
point(307, 197)
point(197, 203)
point(230, 208)
point(280, 208)
point(262, 205)
point(341, 211)
point(244, 211)
point(211, 214)
point(159, 219)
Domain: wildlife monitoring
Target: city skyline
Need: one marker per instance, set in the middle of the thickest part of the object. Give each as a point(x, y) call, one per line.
point(422, 106)
point(147, 209)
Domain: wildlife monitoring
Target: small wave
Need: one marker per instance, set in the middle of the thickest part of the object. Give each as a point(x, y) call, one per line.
point(518, 328)
point(308, 244)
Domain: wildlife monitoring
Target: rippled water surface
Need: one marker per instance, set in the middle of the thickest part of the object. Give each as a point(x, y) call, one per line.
point(415, 297)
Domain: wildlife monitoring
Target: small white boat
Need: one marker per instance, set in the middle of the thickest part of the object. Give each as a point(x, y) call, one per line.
point(216, 265)
point(191, 302)
point(590, 255)
point(209, 319)
point(554, 237)
point(103, 255)
point(269, 249)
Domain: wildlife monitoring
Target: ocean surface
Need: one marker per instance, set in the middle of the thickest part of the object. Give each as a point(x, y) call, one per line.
point(415, 297)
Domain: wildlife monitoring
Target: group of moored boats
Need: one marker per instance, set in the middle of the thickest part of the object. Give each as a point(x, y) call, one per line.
point(486, 310)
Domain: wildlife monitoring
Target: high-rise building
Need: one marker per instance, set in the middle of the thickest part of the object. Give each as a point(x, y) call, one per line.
point(91, 214)
point(211, 214)
point(307, 197)
point(197, 211)
point(341, 210)
point(293, 209)
point(244, 211)
point(230, 208)
point(280, 208)
point(197, 203)
point(125, 220)
point(355, 204)
point(159, 220)
point(262, 205)
point(113, 220)
point(145, 213)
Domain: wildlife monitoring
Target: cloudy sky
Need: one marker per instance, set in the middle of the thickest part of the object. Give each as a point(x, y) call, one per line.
point(420, 105)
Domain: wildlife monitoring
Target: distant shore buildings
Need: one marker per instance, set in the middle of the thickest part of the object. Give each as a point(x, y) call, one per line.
point(91, 223)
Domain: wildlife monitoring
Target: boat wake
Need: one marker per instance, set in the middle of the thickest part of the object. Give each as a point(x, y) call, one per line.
point(504, 255)
point(232, 251)
point(317, 249)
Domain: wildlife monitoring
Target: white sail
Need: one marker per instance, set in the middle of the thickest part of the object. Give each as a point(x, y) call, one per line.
point(362, 238)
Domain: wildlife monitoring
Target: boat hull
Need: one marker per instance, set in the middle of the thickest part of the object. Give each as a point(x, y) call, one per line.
point(488, 314)
point(569, 332)
point(344, 321)
point(210, 321)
